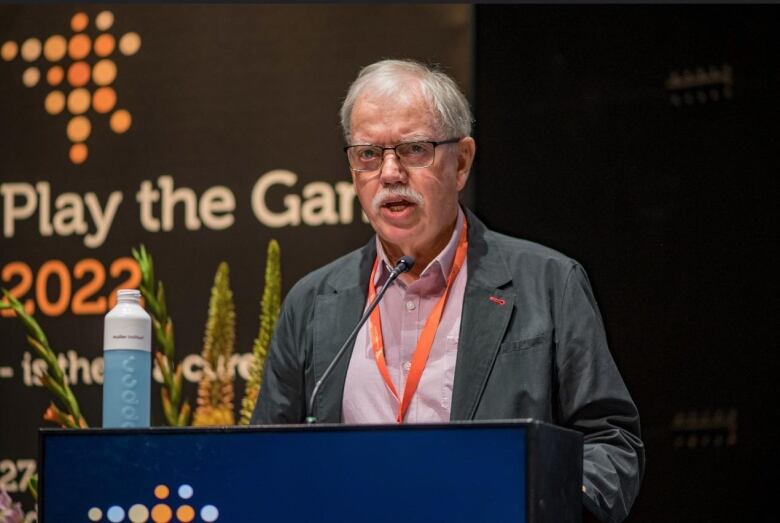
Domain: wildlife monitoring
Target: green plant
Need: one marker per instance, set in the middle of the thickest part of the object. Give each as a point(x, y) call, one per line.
point(68, 414)
point(175, 408)
point(269, 313)
point(215, 390)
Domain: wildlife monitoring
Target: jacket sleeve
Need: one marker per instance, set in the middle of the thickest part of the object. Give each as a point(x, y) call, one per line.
point(282, 395)
point(594, 400)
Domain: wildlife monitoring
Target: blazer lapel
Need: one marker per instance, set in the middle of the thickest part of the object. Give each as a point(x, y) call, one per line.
point(336, 313)
point(484, 321)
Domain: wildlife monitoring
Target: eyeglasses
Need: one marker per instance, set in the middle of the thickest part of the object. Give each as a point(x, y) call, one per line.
point(412, 155)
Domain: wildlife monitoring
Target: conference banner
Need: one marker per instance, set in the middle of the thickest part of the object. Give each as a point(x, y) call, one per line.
point(199, 131)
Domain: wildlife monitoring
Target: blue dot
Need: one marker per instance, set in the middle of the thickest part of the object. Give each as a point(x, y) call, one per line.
point(115, 514)
point(209, 513)
point(185, 492)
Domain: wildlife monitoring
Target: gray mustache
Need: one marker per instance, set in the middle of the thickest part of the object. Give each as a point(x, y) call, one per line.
point(392, 192)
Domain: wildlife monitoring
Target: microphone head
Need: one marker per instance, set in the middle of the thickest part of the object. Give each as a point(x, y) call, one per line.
point(405, 264)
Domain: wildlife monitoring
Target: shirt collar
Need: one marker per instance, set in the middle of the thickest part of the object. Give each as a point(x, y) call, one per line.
point(440, 266)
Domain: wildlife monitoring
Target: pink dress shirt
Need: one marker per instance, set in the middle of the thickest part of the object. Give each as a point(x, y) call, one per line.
point(404, 310)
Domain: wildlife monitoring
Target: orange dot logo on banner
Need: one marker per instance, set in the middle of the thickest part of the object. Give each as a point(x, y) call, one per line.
point(78, 101)
point(79, 22)
point(8, 51)
point(70, 53)
point(162, 511)
point(78, 153)
point(55, 75)
point(104, 72)
point(55, 48)
point(79, 46)
point(78, 129)
point(185, 513)
point(104, 100)
point(78, 74)
point(55, 102)
point(104, 44)
point(121, 121)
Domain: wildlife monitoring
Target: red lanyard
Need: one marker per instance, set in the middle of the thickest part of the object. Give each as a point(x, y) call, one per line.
point(427, 336)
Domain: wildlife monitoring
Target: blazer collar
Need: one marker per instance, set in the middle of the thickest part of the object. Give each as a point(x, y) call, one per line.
point(488, 305)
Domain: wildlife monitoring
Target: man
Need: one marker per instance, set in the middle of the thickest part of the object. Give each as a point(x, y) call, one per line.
point(484, 326)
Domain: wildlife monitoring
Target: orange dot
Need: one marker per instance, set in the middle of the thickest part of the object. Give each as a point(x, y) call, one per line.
point(104, 100)
point(78, 129)
point(78, 46)
point(104, 44)
point(78, 74)
point(79, 22)
point(9, 50)
point(120, 122)
point(104, 72)
point(185, 513)
point(161, 513)
point(78, 153)
point(78, 101)
point(54, 102)
point(55, 48)
point(55, 75)
point(161, 491)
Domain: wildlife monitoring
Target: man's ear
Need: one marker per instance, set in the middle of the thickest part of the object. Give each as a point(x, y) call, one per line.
point(467, 148)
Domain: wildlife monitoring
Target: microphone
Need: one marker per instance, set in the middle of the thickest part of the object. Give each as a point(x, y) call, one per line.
point(404, 264)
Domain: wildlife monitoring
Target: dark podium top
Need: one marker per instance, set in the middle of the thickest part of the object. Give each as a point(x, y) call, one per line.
point(518, 471)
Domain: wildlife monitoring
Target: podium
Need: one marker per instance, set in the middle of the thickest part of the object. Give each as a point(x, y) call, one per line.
point(507, 471)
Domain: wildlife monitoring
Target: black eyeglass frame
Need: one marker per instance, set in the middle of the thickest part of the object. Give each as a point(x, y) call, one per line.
point(433, 158)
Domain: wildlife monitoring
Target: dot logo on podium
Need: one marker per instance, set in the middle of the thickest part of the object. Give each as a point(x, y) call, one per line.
point(78, 72)
point(162, 512)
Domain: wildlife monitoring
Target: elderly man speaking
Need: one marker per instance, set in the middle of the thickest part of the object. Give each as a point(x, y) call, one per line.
point(482, 327)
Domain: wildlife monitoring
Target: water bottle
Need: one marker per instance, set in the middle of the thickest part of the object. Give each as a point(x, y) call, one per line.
point(127, 362)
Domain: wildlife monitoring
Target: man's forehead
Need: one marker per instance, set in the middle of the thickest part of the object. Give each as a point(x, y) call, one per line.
point(409, 119)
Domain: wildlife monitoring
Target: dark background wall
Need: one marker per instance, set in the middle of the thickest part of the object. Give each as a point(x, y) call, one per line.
point(219, 96)
point(643, 143)
point(638, 140)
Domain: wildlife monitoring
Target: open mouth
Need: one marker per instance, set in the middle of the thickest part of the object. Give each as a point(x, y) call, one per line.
point(397, 204)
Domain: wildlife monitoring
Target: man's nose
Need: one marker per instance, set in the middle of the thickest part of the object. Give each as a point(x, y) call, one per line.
point(392, 171)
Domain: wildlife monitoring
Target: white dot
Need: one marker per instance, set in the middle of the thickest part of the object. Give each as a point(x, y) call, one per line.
point(185, 492)
point(95, 514)
point(104, 20)
point(31, 76)
point(129, 44)
point(115, 514)
point(138, 514)
point(209, 513)
point(31, 49)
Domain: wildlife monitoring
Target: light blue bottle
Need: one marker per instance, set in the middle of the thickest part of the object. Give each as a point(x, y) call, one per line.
point(127, 365)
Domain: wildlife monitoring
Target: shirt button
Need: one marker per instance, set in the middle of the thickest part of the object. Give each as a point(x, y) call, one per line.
point(407, 366)
point(410, 305)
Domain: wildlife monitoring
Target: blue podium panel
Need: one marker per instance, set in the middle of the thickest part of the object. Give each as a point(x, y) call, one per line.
point(427, 473)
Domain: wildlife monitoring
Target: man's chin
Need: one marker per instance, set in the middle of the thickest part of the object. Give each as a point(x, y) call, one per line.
point(398, 241)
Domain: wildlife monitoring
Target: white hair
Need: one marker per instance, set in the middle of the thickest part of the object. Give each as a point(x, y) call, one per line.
point(391, 78)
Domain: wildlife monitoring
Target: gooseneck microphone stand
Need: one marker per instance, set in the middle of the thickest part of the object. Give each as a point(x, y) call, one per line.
point(403, 265)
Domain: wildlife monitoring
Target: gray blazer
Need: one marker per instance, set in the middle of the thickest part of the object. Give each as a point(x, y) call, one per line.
point(540, 354)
